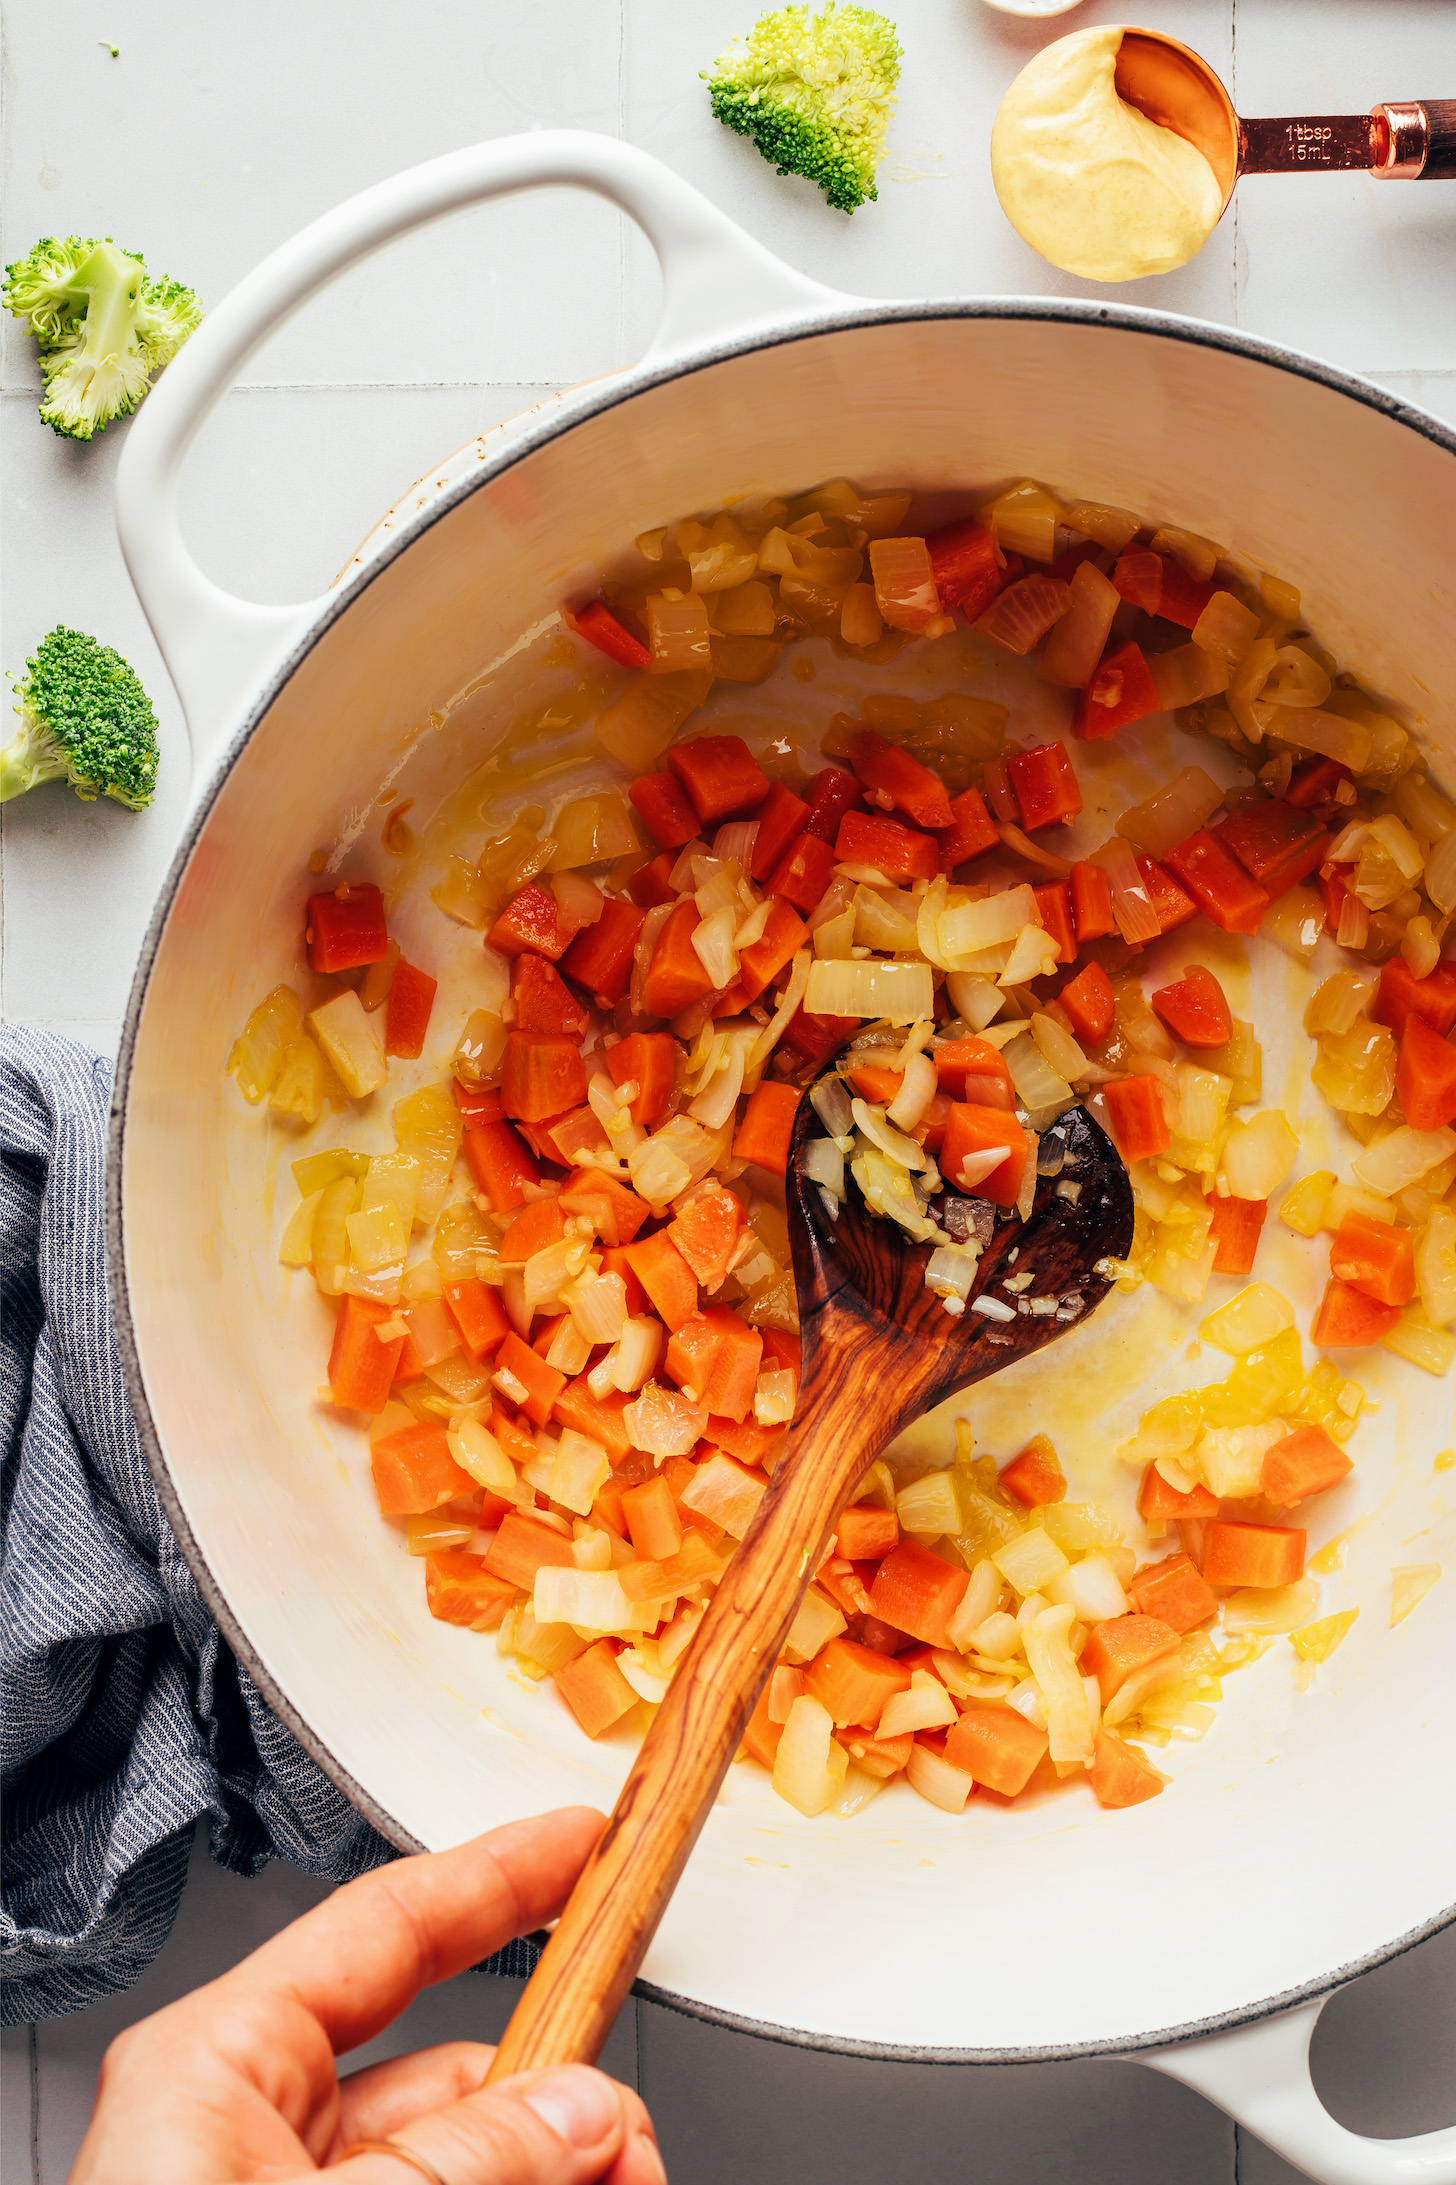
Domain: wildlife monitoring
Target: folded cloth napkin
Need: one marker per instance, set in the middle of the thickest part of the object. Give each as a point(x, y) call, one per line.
point(123, 1716)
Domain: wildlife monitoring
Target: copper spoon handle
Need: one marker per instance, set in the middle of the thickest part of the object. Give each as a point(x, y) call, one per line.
point(1400, 141)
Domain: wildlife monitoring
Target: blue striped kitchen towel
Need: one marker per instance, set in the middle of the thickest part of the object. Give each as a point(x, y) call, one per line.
point(123, 1716)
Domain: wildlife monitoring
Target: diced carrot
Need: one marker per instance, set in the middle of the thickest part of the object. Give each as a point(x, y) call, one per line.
point(971, 1130)
point(890, 772)
point(1175, 1592)
point(415, 1472)
point(721, 776)
point(1088, 1001)
point(407, 1011)
point(881, 1756)
point(1161, 586)
point(1266, 835)
point(477, 1103)
point(517, 1441)
point(600, 958)
point(1314, 782)
point(780, 818)
point(1400, 992)
point(675, 975)
point(532, 1230)
point(1307, 1462)
point(1240, 1554)
point(761, 1735)
point(595, 1689)
point(866, 1533)
point(1195, 1009)
point(967, 566)
point(760, 964)
point(615, 1212)
point(803, 873)
point(1120, 1776)
point(726, 1491)
point(649, 1061)
point(1045, 784)
point(1121, 1644)
point(930, 1130)
point(1334, 895)
point(1035, 1477)
point(874, 1084)
point(745, 1438)
point(997, 1747)
point(832, 793)
point(500, 1164)
point(652, 884)
point(900, 853)
point(1217, 883)
point(346, 928)
point(521, 1547)
point(730, 1386)
point(531, 919)
point(1122, 690)
point(1425, 1075)
point(653, 1520)
point(813, 1039)
point(544, 1002)
point(767, 1126)
point(460, 1590)
point(477, 1312)
point(1172, 906)
point(916, 1592)
point(691, 1349)
point(1138, 1117)
point(361, 1365)
point(526, 1380)
point(1376, 1258)
point(541, 1077)
point(842, 1582)
point(409, 1366)
point(706, 1233)
point(598, 1417)
point(1235, 1226)
point(600, 627)
point(853, 1682)
point(1054, 901)
point(666, 1277)
point(680, 1472)
point(971, 830)
point(1159, 1503)
point(1349, 1320)
point(1091, 901)
point(670, 818)
point(695, 1559)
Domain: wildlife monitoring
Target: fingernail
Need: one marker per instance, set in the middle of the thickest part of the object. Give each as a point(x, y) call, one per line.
point(649, 2160)
point(576, 2102)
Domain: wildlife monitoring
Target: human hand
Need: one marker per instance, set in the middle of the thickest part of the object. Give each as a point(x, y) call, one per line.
point(237, 2081)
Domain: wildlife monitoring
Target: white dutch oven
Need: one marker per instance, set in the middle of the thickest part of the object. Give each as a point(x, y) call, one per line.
point(1309, 1836)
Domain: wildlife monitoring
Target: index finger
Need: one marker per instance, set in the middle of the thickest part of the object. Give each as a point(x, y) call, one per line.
point(362, 1956)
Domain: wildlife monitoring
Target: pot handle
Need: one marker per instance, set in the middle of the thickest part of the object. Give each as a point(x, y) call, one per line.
point(717, 281)
point(1260, 2075)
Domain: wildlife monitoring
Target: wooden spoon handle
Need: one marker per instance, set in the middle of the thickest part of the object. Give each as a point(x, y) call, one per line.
point(591, 1960)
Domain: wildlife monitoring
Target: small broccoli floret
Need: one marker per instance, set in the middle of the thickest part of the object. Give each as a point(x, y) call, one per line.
point(84, 719)
point(102, 326)
point(815, 93)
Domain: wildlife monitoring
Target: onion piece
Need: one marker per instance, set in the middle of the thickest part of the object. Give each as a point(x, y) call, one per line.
point(794, 995)
point(1259, 1153)
point(975, 1000)
point(1022, 846)
point(891, 1142)
point(715, 1104)
point(636, 1353)
point(678, 633)
point(1042, 1092)
point(1033, 956)
point(905, 590)
point(1113, 528)
point(917, 1090)
point(860, 620)
point(736, 841)
point(1024, 520)
point(1062, 1052)
point(598, 1305)
point(1022, 614)
point(1199, 556)
point(1402, 1158)
point(1077, 641)
point(1137, 921)
point(1440, 880)
point(1186, 674)
point(809, 1765)
point(642, 950)
point(1059, 1683)
point(899, 992)
point(712, 940)
point(968, 927)
point(1173, 813)
point(822, 1162)
point(937, 1781)
point(830, 1102)
point(1226, 628)
point(1296, 681)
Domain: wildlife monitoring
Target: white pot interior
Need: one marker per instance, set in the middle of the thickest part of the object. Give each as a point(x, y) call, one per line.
point(1307, 1831)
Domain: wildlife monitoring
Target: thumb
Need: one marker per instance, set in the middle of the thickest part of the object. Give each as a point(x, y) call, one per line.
point(570, 2126)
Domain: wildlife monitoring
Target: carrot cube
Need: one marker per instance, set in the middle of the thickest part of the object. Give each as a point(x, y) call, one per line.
point(706, 1233)
point(346, 929)
point(600, 958)
point(1088, 1001)
point(761, 1734)
point(1349, 1320)
point(600, 627)
point(1119, 1776)
point(1217, 883)
point(1045, 785)
point(972, 1070)
point(670, 818)
point(526, 1380)
point(541, 1076)
point(616, 1213)
point(1240, 1554)
point(727, 1492)
point(866, 1533)
point(721, 776)
point(853, 1682)
point(1158, 1503)
point(1400, 992)
point(971, 830)
point(972, 1131)
point(912, 788)
point(1195, 1009)
point(996, 1747)
point(1425, 1076)
point(521, 1547)
point(1138, 1117)
point(900, 853)
point(652, 1519)
point(803, 872)
point(695, 1559)
point(1091, 901)
point(881, 1756)
point(767, 1126)
point(832, 793)
point(675, 975)
point(531, 920)
point(1121, 690)
point(407, 1011)
point(780, 819)
point(744, 1438)
point(460, 1590)
point(501, 1165)
point(1054, 901)
point(647, 1060)
point(917, 1592)
point(478, 1314)
point(1376, 1258)
point(737, 1355)
point(1035, 1478)
point(361, 1366)
point(543, 1000)
point(595, 1689)
point(1305, 1463)
point(533, 1229)
point(1172, 906)
point(598, 1417)
point(414, 1471)
point(652, 884)
point(1175, 1592)
point(666, 1277)
point(760, 964)
point(1235, 1227)
point(967, 566)
point(1121, 1644)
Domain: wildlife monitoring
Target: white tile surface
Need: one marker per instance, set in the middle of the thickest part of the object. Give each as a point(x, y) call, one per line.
point(211, 139)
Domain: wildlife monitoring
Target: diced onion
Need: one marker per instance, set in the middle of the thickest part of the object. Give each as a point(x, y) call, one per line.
point(1110, 527)
point(1259, 1153)
point(860, 620)
point(1029, 1561)
point(1257, 1609)
point(1137, 921)
point(926, 1706)
point(1328, 733)
point(1230, 1459)
point(1187, 674)
point(901, 993)
point(1401, 1159)
point(1063, 1055)
point(684, 878)
point(636, 1355)
point(642, 950)
point(736, 841)
point(917, 1090)
point(679, 634)
point(599, 1307)
point(822, 1162)
point(905, 590)
point(1022, 614)
point(578, 1471)
point(1077, 640)
point(937, 1781)
point(1172, 813)
point(1435, 1259)
point(1035, 853)
point(806, 1771)
point(476, 1450)
point(1091, 1589)
point(591, 1599)
point(1296, 681)
point(1199, 556)
point(975, 1000)
point(1226, 628)
point(1033, 956)
point(715, 1104)
point(1039, 1087)
point(951, 1270)
point(1059, 1682)
point(590, 830)
point(969, 927)
point(712, 940)
point(890, 1141)
point(1024, 520)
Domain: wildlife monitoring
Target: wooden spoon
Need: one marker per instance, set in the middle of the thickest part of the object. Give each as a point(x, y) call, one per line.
point(879, 1350)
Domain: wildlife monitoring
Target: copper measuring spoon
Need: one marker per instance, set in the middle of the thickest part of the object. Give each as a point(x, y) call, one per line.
point(1407, 140)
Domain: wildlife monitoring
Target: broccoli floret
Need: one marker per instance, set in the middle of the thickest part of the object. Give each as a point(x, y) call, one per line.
point(815, 93)
point(103, 328)
point(85, 719)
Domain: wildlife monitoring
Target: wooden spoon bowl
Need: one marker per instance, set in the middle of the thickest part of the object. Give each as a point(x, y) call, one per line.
point(879, 1349)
